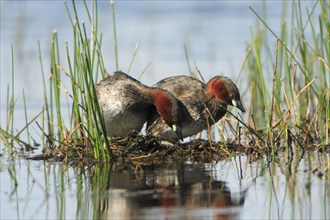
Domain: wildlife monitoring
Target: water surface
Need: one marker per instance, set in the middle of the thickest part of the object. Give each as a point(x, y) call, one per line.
point(240, 187)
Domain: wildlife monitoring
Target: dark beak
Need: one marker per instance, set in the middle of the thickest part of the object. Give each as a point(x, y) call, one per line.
point(238, 104)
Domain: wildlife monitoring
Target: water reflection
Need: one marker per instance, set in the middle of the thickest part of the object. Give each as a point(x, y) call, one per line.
point(170, 191)
point(294, 186)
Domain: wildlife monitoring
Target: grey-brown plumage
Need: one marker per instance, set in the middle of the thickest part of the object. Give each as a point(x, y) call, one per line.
point(196, 97)
point(126, 104)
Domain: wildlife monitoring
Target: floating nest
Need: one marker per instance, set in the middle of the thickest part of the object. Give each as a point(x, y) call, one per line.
point(138, 149)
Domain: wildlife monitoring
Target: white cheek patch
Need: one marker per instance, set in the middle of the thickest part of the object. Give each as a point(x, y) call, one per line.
point(234, 103)
point(174, 127)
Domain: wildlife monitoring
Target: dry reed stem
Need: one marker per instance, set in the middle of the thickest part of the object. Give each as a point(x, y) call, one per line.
point(311, 122)
point(326, 65)
point(294, 101)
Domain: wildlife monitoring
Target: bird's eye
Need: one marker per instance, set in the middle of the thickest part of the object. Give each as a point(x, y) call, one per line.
point(231, 96)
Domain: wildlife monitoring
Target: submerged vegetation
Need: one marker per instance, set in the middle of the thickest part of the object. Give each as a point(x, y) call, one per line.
point(289, 92)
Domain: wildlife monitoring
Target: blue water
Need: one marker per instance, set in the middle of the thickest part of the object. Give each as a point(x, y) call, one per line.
point(215, 34)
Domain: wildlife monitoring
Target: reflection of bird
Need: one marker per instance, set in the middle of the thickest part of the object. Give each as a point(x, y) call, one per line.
point(166, 191)
point(126, 104)
point(199, 102)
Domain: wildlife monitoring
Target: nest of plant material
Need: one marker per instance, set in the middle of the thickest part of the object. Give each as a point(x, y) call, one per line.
point(150, 150)
point(137, 149)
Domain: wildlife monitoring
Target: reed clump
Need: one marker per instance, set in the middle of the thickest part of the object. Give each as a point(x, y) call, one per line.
point(83, 135)
point(290, 79)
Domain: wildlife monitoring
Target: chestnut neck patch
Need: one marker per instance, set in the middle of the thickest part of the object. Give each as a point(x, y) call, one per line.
point(164, 106)
point(217, 88)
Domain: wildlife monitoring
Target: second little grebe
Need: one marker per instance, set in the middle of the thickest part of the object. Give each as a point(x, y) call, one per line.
point(196, 98)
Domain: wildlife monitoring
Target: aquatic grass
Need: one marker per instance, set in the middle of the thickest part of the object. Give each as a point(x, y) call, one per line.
point(114, 33)
point(26, 118)
point(10, 102)
point(86, 128)
point(133, 57)
point(46, 104)
point(292, 103)
point(187, 61)
point(7, 133)
point(5, 140)
point(86, 125)
point(299, 98)
point(56, 82)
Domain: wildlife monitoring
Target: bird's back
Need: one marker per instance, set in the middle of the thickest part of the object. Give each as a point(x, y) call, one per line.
point(125, 107)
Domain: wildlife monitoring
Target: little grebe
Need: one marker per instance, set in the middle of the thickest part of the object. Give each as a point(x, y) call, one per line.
point(126, 104)
point(196, 97)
